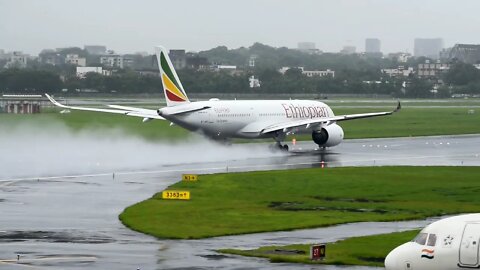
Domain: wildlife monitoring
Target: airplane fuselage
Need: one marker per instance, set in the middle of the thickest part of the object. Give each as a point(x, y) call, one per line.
point(244, 118)
point(448, 244)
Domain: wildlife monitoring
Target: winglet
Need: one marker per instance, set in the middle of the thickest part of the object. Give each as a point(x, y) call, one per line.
point(399, 107)
point(56, 103)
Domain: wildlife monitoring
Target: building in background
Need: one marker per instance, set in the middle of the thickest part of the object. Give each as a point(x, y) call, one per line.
point(401, 57)
point(253, 82)
point(348, 50)
point(95, 49)
point(112, 60)
point(196, 61)
point(178, 58)
point(82, 71)
point(466, 53)
point(310, 73)
point(308, 47)
point(51, 57)
point(74, 59)
point(252, 60)
point(2, 54)
point(400, 71)
point(372, 46)
point(17, 59)
point(432, 69)
point(428, 47)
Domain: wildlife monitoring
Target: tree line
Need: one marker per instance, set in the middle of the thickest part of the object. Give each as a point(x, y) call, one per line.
point(353, 74)
point(461, 78)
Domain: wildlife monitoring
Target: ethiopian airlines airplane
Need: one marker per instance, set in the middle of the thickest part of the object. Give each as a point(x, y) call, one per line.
point(448, 244)
point(251, 119)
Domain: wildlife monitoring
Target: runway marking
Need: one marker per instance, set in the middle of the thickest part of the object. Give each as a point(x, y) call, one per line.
point(223, 168)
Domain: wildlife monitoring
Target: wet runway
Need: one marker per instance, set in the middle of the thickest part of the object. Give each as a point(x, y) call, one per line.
point(71, 222)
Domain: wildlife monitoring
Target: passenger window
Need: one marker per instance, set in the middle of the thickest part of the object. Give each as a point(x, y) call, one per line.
point(421, 238)
point(432, 240)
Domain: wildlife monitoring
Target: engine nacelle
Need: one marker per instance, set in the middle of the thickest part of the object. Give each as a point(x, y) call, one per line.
point(328, 136)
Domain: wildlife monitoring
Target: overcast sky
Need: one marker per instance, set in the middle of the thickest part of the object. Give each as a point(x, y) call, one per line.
point(131, 26)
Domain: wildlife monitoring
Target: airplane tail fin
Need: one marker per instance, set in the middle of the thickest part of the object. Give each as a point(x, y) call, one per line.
point(172, 87)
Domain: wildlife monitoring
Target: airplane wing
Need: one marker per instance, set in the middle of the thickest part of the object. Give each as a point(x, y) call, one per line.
point(311, 123)
point(129, 111)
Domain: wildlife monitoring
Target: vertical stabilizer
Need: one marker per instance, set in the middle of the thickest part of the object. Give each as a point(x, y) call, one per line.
point(172, 87)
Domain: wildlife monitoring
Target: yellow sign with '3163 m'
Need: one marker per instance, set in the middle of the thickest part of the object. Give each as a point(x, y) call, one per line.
point(176, 195)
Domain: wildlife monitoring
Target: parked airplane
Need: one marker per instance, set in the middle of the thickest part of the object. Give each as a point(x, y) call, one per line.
point(451, 243)
point(221, 120)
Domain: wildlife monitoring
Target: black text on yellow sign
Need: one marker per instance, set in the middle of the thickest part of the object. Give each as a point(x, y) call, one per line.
point(176, 195)
point(189, 177)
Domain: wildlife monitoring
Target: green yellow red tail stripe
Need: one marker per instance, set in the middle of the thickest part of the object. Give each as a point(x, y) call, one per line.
point(172, 86)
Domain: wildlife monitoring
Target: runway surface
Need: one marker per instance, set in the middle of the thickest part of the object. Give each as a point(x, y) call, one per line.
point(71, 222)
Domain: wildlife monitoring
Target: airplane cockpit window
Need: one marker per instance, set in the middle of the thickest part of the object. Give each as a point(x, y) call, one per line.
point(421, 238)
point(432, 240)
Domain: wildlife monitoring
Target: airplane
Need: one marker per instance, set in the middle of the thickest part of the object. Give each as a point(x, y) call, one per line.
point(250, 119)
point(447, 244)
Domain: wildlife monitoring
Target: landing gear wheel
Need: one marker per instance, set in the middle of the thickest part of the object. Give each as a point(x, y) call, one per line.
point(285, 148)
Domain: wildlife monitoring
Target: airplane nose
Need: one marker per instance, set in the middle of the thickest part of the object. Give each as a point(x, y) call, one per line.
point(390, 262)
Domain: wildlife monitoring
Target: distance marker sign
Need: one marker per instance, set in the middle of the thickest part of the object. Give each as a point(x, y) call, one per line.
point(190, 177)
point(176, 195)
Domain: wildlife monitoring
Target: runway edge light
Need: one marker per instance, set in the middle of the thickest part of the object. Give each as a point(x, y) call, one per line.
point(176, 195)
point(190, 177)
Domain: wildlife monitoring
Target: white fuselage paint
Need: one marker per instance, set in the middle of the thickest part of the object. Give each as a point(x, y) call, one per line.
point(244, 118)
point(448, 244)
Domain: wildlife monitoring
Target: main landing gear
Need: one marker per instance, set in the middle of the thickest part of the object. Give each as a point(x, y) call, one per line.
point(279, 137)
point(279, 146)
point(282, 147)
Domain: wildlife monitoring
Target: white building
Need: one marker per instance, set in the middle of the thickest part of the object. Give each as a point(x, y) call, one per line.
point(398, 72)
point(112, 60)
point(73, 59)
point(224, 67)
point(17, 60)
point(311, 73)
point(401, 57)
point(82, 71)
point(319, 73)
point(253, 82)
point(429, 69)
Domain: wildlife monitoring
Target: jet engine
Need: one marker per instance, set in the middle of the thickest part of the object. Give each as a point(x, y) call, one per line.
point(328, 136)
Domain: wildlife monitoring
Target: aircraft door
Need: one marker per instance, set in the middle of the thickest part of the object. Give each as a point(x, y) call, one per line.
point(469, 247)
point(408, 266)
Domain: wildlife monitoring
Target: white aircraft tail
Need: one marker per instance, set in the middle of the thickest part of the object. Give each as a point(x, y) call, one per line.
point(172, 87)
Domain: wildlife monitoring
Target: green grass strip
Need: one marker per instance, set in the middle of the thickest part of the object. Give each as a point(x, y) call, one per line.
point(365, 251)
point(239, 203)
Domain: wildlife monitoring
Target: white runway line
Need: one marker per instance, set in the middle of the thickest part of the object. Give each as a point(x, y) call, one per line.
point(223, 168)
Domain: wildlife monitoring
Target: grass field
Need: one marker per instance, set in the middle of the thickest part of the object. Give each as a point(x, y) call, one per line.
point(408, 122)
point(238, 203)
point(366, 250)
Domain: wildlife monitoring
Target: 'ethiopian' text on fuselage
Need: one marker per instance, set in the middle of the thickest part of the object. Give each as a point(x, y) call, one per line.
point(295, 111)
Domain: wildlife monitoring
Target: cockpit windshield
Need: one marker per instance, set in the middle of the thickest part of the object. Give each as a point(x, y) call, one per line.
point(421, 238)
point(432, 240)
